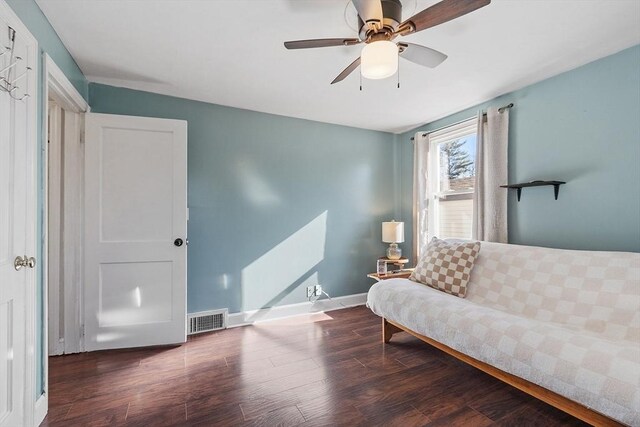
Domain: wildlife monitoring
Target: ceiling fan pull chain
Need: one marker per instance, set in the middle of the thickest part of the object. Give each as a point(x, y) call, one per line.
point(361, 82)
point(398, 71)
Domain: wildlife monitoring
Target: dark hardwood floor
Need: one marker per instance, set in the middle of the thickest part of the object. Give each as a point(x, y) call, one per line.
point(322, 370)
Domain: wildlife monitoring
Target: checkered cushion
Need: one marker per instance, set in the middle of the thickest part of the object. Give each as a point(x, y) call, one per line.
point(446, 266)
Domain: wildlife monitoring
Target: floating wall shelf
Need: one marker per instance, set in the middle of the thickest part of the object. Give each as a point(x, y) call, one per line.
point(519, 187)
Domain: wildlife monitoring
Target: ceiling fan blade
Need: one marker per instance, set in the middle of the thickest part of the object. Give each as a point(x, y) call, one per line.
point(355, 64)
point(370, 11)
point(307, 44)
point(439, 13)
point(421, 55)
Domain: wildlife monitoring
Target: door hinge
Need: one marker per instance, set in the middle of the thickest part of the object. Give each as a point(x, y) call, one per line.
point(82, 331)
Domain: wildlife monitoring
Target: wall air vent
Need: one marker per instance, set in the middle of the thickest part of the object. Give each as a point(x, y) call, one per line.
point(206, 321)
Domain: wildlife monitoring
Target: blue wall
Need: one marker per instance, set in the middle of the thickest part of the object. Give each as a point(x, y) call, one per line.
point(582, 127)
point(49, 42)
point(276, 203)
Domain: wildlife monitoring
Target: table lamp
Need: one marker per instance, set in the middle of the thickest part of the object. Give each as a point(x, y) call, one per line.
point(393, 233)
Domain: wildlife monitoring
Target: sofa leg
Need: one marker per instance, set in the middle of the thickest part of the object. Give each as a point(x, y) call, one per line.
point(388, 330)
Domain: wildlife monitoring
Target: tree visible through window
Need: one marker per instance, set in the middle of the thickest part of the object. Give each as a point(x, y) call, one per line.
point(458, 161)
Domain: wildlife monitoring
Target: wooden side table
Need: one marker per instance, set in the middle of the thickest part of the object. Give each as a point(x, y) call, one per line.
point(402, 274)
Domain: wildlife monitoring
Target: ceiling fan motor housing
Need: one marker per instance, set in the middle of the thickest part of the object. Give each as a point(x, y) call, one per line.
point(392, 17)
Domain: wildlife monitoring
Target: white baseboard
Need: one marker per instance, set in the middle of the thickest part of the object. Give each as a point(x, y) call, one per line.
point(250, 317)
point(41, 409)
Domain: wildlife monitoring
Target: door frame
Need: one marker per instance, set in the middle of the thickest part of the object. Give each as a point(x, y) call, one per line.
point(58, 87)
point(52, 160)
point(32, 243)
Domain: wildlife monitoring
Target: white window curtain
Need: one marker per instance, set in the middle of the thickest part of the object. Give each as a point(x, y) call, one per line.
point(489, 200)
point(420, 192)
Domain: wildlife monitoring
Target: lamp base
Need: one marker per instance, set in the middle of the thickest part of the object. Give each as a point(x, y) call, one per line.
point(393, 251)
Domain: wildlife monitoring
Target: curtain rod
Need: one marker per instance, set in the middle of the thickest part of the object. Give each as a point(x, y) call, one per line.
point(501, 109)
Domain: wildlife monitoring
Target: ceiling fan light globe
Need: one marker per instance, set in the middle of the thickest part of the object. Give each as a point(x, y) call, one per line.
point(379, 60)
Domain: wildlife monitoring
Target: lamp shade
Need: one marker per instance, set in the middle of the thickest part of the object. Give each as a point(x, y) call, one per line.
point(393, 232)
point(379, 60)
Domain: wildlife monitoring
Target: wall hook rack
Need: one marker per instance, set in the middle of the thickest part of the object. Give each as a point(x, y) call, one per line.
point(12, 68)
point(519, 187)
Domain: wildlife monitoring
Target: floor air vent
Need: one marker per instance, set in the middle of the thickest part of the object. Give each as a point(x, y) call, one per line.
point(206, 321)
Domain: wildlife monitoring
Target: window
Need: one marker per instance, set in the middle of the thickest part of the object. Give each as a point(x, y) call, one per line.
point(450, 182)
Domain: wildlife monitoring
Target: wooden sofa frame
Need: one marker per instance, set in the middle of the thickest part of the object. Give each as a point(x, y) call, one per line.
point(554, 399)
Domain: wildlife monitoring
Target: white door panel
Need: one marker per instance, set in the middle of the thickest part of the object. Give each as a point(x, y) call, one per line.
point(141, 199)
point(136, 206)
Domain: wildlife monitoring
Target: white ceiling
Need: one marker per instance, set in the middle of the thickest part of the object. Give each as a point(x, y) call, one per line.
point(230, 52)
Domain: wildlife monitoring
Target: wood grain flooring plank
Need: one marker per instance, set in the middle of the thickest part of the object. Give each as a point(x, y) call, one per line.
point(325, 404)
point(222, 415)
point(103, 404)
point(464, 416)
point(339, 416)
point(283, 417)
point(497, 405)
point(259, 406)
point(534, 414)
point(400, 414)
point(299, 379)
point(437, 408)
point(237, 361)
point(158, 416)
point(154, 400)
point(101, 417)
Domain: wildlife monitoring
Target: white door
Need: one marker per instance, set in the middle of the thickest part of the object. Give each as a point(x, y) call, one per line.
point(17, 227)
point(13, 283)
point(135, 231)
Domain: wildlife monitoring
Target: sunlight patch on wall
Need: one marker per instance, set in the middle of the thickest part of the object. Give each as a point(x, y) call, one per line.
point(223, 281)
point(266, 280)
point(255, 188)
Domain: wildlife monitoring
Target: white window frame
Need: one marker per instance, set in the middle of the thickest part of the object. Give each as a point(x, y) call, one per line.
point(449, 133)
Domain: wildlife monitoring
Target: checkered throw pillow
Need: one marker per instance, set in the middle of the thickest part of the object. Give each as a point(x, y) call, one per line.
point(447, 266)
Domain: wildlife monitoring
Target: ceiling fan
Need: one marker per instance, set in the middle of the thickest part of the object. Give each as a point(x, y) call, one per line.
point(380, 22)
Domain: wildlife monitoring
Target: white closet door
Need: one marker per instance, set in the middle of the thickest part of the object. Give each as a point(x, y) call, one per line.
point(17, 226)
point(135, 231)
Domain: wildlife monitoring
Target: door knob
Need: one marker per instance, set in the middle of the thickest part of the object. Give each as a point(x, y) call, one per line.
point(24, 261)
point(178, 242)
point(19, 262)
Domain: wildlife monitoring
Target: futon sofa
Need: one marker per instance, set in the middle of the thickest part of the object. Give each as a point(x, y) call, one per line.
point(562, 325)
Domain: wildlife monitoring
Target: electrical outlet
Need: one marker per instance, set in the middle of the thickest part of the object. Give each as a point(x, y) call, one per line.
point(314, 291)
